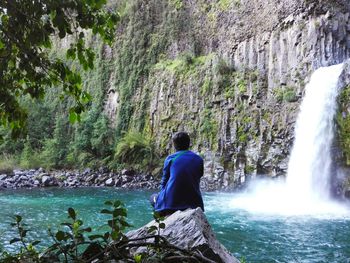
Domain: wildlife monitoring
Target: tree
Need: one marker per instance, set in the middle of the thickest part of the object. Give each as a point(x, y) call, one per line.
point(27, 29)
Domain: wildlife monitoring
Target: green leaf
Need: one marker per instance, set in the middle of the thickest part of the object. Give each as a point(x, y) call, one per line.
point(71, 213)
point(119, 212)
point(73, 117)
point(152, 229)
point(18, 218)
point(138, 258)
point(115, 234)
point(35, 243)
point(14, 240)
point(88, 229)
point(118, 203)
point(106, 211)
point(161, 225)
point(108, 203)
point(60, 236)
point(93, 237)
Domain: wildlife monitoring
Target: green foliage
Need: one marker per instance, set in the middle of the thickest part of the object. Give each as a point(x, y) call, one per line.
point(224, 4)
point(137, 150)
point(8, 163)
point(343, 123)
point(209, 127)
point(26, 32)
point(206, 86)
point(242, 86)
point(285, 94)
point(140, 49)
point(27, 253)
point(178, 4)
point(76, 243)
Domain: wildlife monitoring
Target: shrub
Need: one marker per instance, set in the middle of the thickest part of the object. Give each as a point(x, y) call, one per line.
point(74, 242)
point(137, 150)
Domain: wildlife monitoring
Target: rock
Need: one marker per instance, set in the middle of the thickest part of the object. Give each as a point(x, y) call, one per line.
point(189, 229)
point(347, 194)
point(3, 176)
point(109, 182)
point(128, 172)
point(45, 180)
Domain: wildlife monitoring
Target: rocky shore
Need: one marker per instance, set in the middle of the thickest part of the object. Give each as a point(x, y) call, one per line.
point(102, 177)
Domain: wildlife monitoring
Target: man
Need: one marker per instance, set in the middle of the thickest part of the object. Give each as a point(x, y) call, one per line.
point(180, 181)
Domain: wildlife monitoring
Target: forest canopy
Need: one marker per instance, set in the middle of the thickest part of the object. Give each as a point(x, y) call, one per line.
point(27, 30)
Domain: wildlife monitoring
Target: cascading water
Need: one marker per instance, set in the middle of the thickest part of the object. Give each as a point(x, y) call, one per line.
point(309, 168)
point(307, 187)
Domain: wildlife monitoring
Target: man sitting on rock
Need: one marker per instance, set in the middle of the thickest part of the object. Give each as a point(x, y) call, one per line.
point(180, 181)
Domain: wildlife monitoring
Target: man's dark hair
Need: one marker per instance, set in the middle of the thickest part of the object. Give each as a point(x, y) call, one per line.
point(181, 141)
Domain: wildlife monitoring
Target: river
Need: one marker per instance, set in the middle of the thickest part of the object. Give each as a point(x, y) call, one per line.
point(256, 237)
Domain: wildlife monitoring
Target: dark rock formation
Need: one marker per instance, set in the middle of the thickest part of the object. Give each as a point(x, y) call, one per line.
point(189, 230)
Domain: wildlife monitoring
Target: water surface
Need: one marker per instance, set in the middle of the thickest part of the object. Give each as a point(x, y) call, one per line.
point(255, 237)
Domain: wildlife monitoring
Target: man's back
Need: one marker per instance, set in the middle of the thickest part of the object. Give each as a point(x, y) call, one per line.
point(180, 183)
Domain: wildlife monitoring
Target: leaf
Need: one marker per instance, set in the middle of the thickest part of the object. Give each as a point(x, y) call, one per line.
point(152, 229)
point(71, 213)
point(93, 237)
point(18, 218)
point(88, 229)
point(60, 236)
point(161, 225)
point(138, 258)
point(35, 242)
point(118, 203)
point(73, 117)
point(108, 203)
point(106, 235)
point(106, 211)
point(119, 212)
point(124, 223)
point(14, 240)
point(115, 235)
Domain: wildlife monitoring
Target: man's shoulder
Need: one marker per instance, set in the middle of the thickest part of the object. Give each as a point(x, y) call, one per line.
point(195, 156)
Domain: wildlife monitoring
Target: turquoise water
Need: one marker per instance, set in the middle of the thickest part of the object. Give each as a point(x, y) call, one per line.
point(257, 238)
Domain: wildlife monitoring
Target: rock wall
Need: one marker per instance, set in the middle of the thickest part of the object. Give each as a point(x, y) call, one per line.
point(230, 72)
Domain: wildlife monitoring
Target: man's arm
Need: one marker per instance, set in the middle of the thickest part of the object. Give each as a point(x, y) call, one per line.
point(166, 173)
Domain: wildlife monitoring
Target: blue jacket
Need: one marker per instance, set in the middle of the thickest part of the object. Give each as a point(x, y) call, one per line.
point(180, 182)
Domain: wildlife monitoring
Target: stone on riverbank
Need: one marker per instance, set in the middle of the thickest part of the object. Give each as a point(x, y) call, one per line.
point(189, 230)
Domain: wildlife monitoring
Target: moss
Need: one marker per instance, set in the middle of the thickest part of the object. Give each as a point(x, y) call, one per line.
point(242, 86)
point(208, 126)
point(206, 86)
point(343, 123)
point(138, 51)
point(230, 92)
point(249, 169)
point(178, 4)
point(285, 94)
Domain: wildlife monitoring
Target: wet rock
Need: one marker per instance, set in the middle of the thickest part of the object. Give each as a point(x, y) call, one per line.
point(189, 230)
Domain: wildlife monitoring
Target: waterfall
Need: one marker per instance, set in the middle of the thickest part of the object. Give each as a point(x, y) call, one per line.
point(307, 186)
point(309, 168)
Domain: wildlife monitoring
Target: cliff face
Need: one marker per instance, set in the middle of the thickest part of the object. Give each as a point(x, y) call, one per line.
point(230, 72)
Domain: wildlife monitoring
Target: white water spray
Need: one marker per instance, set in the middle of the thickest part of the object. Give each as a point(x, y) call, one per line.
point(309, 168)
point(306, 189)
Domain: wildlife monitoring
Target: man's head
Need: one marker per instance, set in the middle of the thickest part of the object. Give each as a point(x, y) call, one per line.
point(181, 141)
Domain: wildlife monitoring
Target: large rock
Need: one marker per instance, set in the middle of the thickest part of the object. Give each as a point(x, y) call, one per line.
point(189, 230)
